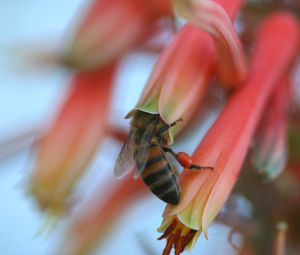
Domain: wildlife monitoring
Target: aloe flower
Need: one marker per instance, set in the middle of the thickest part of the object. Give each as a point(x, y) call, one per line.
point(110, 28)
point(270, 151)
point(225, 145)
point(66, 147)
point(181, 75)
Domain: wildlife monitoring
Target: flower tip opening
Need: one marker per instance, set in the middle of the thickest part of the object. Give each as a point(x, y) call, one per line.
point(179, 237)
point(52, 205)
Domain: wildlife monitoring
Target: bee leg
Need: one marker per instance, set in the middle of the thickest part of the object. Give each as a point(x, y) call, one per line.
point(197, 167)
point(185, 160)
point(169, 150)
point(167, 127)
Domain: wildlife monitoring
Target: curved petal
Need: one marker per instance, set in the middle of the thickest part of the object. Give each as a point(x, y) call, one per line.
point(189, 183)
point(191, 216)
point(212, 18)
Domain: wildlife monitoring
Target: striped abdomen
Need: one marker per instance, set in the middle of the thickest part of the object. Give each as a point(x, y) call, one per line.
point(160, 177)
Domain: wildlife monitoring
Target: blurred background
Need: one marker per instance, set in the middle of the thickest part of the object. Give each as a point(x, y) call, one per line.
point(28, 99)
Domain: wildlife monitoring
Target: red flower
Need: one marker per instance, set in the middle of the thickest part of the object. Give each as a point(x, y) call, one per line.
point(109, 29)
point(227, 142)
point(65, 149)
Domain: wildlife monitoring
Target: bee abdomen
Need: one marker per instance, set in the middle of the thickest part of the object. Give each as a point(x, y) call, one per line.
point(171, 195)
point(163, 183)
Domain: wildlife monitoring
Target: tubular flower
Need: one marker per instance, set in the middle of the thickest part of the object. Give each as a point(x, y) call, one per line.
point(270, 151)
point(226, 143)
point(211, 17)
point(92, 223)
point(180, 77)
point(109, 29)
point(65, 149)
point(183, 74)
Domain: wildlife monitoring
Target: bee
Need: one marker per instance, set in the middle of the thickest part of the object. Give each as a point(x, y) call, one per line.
point(145, 152)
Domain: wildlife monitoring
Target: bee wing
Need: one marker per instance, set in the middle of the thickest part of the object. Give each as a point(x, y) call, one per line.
point(142, 153)
point(141, 158)
point(125, 161)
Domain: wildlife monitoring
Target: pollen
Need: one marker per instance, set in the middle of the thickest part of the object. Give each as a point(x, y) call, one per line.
point(178, 237)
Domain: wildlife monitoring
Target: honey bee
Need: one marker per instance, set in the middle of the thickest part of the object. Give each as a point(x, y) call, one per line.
point(145, 151)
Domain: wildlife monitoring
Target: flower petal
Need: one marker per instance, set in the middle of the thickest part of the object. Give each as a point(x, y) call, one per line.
point(185, 75)
point(212, 18)
point(191, 215)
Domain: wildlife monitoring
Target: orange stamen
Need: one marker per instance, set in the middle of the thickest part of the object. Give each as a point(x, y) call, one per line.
point(168, 231)
point(178, 236)
point(169, 245)
point(179, 245)
point(189, 237)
